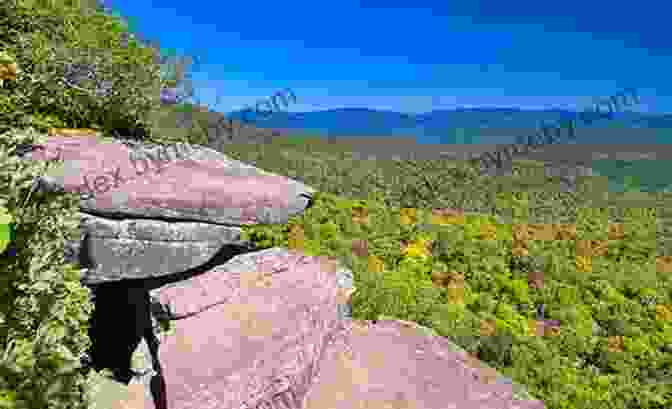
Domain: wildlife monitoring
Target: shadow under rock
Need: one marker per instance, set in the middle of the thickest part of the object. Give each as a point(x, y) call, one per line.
point(112, 345)
point(227, 252)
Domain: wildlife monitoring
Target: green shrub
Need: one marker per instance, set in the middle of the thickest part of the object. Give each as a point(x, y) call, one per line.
point(44, 310)
point(56, 45)
point(63, 64)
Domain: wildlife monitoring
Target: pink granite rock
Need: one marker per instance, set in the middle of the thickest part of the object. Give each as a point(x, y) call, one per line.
point(175, 181)
point(248, 335)
point(398, 365)
point(262, 332)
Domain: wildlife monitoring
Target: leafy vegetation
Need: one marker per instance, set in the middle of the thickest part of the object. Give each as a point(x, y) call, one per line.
point(43, 308)
point(62, 65)
point(477, 259)
point(76, 69)
point(566, 292)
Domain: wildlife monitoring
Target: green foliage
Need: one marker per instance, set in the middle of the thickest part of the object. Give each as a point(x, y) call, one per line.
point(56, 44)
point(65, 64)
point(70, 66)
point(6, 227)
point(582, 364)
point(496, 350)
point(44, 310)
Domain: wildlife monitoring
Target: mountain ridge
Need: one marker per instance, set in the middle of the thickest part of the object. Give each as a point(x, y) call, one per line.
point(460, 125)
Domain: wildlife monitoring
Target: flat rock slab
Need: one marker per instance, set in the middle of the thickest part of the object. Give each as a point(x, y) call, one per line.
point(144, 248)
point(398, 365)
point(150, 210)
point(177, 183)
point(250, 332)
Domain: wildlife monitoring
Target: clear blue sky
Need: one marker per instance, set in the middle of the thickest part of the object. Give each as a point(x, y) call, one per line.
point(415, 56)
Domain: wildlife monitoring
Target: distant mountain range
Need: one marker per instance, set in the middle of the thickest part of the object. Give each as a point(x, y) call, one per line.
point(468, 125)
point(462, 133)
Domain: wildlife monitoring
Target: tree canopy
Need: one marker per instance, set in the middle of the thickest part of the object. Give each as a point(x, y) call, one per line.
point(79, 66)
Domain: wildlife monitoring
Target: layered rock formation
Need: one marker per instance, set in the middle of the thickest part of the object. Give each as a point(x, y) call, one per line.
point(253, 329)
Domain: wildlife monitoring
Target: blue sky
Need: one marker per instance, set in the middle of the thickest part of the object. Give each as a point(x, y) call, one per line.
point(415, 58)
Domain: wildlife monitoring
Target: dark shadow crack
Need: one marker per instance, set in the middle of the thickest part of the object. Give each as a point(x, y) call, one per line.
point(129, 301)
point(226, 253)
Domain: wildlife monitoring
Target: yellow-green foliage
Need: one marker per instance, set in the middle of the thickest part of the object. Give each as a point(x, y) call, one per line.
point(460, 275)
point(6, 226)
